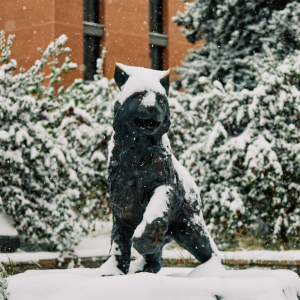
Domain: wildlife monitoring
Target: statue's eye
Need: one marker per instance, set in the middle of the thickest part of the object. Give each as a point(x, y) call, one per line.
point(161, 100)
point(141, 95)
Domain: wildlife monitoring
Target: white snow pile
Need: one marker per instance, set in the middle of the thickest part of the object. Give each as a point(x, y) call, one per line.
point(6, 226)
point(209, 281)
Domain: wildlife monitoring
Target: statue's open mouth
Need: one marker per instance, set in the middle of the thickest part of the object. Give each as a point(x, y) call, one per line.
point(147, 124)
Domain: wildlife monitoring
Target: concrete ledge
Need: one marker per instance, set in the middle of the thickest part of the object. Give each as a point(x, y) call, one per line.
point(93, 29)
point(158, 39)
point(96, 262)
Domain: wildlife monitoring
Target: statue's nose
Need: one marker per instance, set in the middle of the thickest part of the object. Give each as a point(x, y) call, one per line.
point(155, 113)
point(153, 109)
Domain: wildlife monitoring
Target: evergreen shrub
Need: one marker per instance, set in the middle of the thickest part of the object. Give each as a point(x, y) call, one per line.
point(52, 148)
point(234, 31)
point(243, 149)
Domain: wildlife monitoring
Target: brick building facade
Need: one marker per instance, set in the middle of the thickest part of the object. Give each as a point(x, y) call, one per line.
point(123, 27)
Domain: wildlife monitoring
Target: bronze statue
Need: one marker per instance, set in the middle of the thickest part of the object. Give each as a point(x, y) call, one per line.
point(153, 198)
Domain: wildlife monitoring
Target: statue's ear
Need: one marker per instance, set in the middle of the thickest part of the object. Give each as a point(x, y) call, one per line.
point(120, 76)
point(165, 81)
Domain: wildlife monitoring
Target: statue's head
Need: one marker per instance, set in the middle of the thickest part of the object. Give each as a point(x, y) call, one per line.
point(141, 107)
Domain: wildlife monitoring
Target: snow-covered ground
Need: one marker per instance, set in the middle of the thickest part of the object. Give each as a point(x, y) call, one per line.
point(209, 281)
point(97, 244)
point(99, 247)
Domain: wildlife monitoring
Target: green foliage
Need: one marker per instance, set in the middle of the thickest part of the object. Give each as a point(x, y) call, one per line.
point(86, 124)
point(3, 283)
point(243, 149)
point(52, 147)
point(12, 265)
point(3, 273)
point(234, 31)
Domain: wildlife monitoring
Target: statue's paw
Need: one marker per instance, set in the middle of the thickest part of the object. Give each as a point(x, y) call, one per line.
point(140, 265)
point(109, 268)
point(137, 266)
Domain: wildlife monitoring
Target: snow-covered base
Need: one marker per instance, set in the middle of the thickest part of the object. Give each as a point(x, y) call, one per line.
point(206, 282)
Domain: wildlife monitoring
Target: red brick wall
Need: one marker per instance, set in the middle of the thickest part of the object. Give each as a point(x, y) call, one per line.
point(126, 34)
point(32, 23)
point(38, 22)
point(178, 45)
point(68, 20)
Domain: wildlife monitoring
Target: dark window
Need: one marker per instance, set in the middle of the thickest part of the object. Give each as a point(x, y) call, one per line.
point(156, 57)
point(156, 16)
point(91, 11)
point(156, 25)
point(91, 43)
point(91, 53)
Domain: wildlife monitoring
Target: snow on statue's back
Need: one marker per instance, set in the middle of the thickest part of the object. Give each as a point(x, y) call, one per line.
point(154, 200)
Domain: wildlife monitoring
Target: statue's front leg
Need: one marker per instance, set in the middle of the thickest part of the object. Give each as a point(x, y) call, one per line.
point(119, 260)
point(149, 237)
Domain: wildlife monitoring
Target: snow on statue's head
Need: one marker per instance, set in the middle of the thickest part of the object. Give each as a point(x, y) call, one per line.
point(141, 108)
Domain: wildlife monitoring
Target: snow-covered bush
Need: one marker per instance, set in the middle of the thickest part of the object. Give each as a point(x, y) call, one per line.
point(243, 148)
point(35, 188)
point(3, 283)
point(86, 111)
point(234, 30)
point(49, 162)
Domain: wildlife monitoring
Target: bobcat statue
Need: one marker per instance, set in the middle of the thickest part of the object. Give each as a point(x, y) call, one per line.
point(154, 199)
